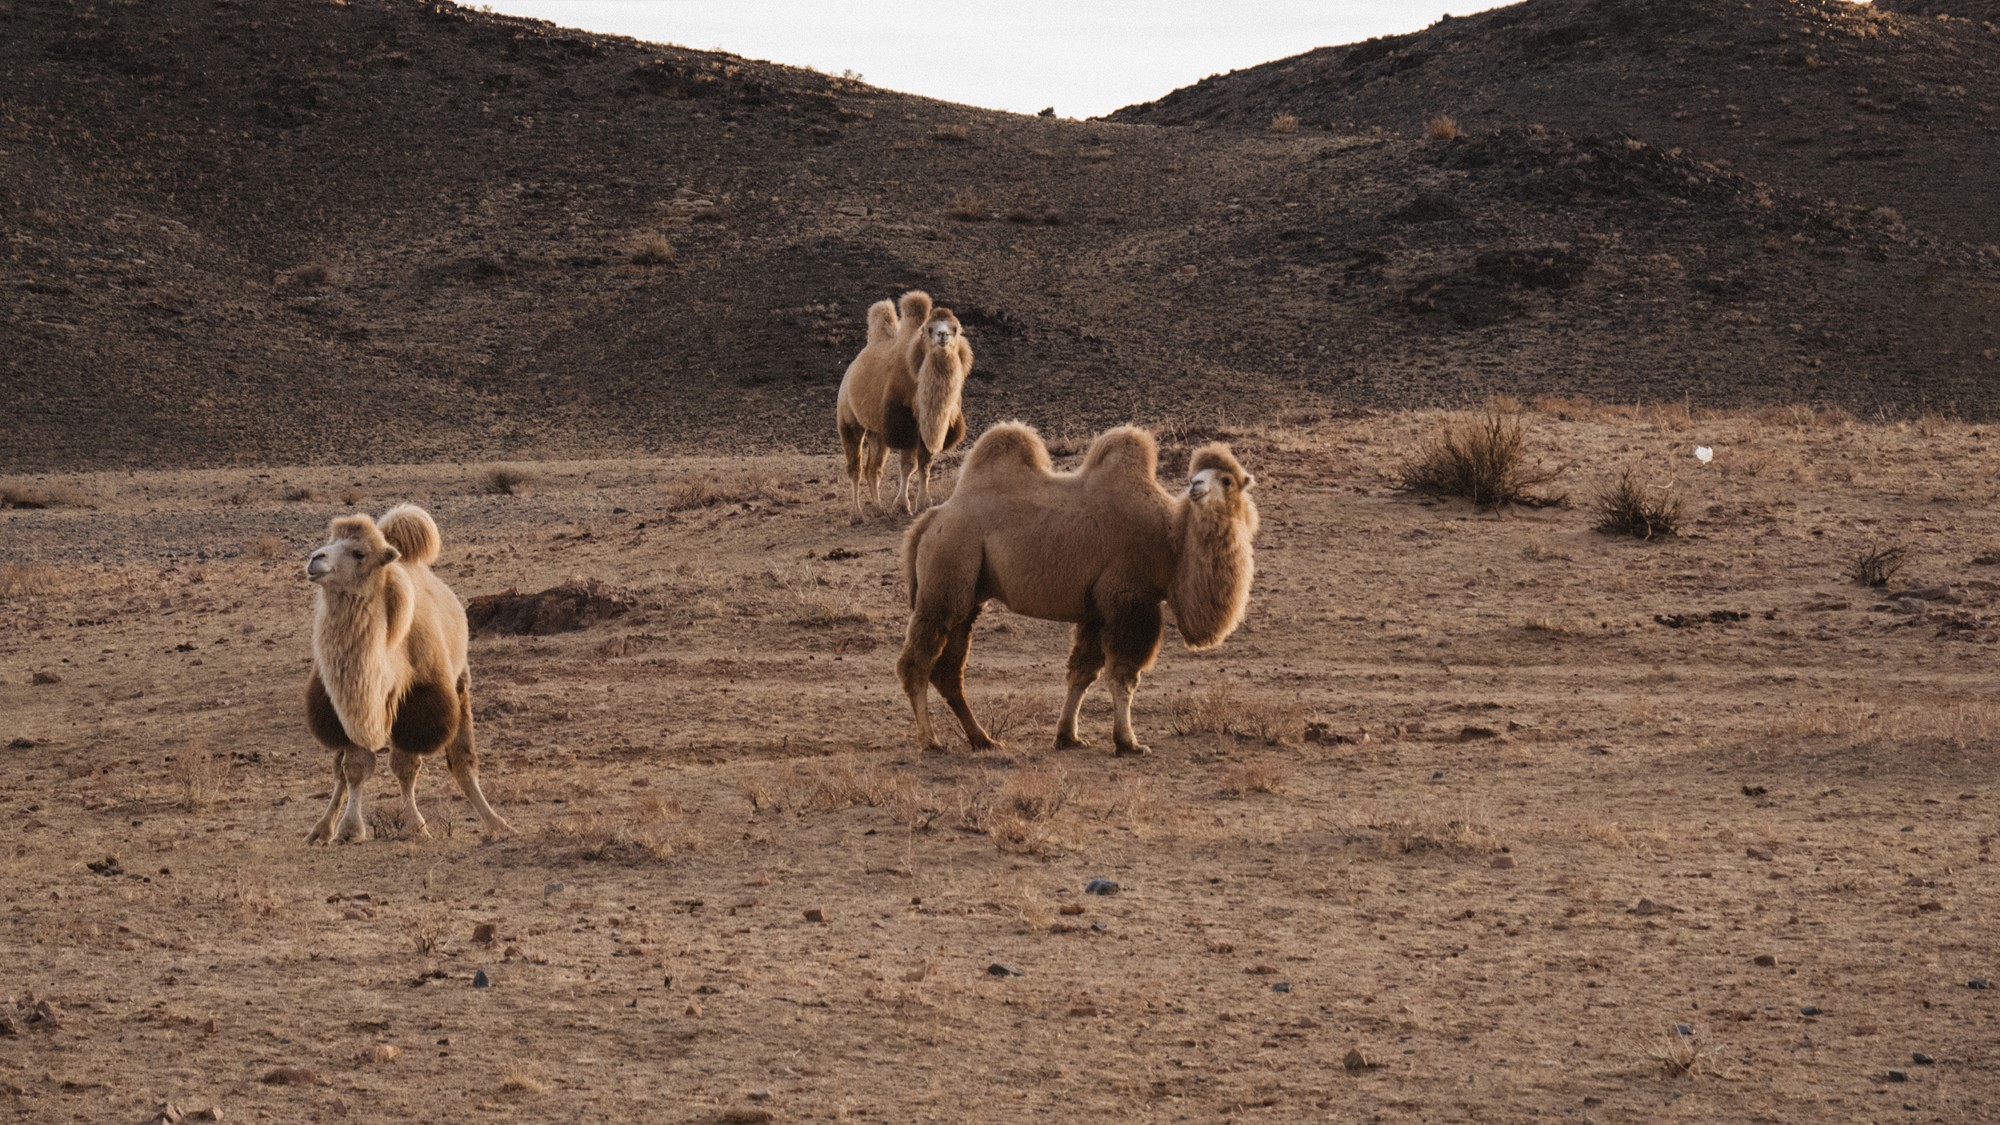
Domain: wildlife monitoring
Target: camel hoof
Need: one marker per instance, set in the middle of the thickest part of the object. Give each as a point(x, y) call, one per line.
point(1132, 750)
point(498, 830)
point(987, 744)
point(1071, 742)
point(318, 836)
point(931, 747)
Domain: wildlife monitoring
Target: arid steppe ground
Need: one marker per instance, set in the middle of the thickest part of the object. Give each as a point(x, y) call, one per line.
point(1454, 798)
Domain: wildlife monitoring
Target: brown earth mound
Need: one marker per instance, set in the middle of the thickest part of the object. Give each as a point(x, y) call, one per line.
point(391, 232)
point(561, 609)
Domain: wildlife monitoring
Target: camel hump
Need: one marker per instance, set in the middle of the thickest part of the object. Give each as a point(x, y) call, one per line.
point(1125, 450)
point(916, 308)
point(411, 530)
point(881, 322)
point(1006, 447)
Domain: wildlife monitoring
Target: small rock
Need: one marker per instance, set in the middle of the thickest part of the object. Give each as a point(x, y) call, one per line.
point(1684, 1029)
point(1758, 853)
point(7, 1026)
point(381, 1053)
point(1282, 986)
point(1812, 1010)
point(47, 678)
point(1754, 791)
point(744, 1117)
point(1100, 926)
point(1101, 887)
point(996, 969)
point(1765, 960)
point(212, 1113)
point(108, 867)
point(759, 1095)
point(290, 1076)
point(480, 979)
point(1474, 734)
point(1070, 908)
point(1356, 1060)
point(1979, 983)
point(1503, 862)
point(21, 744)
point(483, 933)
point(1899, 1076)
point(815, 914)
point(46, 1016)
point(693, 1009)
point(167, 1114)
point(551, 889)
point(1922, 1059)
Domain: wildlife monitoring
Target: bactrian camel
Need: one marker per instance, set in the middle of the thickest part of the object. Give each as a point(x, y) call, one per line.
point(903, 392)
point(1102, 547)
point(389, 667)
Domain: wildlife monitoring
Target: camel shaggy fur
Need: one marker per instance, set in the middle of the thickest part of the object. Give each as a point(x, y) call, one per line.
point(903, 392)
point(1102, 547)
point(389, 667)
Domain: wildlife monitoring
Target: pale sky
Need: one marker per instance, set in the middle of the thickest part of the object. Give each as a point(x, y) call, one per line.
point(1084, 57)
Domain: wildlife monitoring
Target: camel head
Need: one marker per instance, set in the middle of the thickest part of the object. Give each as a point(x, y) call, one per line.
point(941, 329)
point(1219, 486)
point(354, 553)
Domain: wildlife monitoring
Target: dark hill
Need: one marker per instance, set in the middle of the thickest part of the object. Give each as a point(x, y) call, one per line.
point(1821, 97)
point(385, 230)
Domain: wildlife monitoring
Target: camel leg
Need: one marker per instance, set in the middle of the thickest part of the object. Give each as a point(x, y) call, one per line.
point(356, 765)
point(1086, 660)
point(873, 453)
point(322, 832)
point(464, 762)
point(405, 766)
point(948, 674)
point(1131, 643)
point(922, 646)
point(852, 438)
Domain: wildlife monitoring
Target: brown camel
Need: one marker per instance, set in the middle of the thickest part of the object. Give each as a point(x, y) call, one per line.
point(903, 392)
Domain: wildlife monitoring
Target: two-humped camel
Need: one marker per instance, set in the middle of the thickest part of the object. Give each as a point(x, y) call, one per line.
point(902, 392)
point(389, 667)
point(1102, 547)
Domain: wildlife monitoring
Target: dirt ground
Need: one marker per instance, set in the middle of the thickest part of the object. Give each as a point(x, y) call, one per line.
point(1464, 824)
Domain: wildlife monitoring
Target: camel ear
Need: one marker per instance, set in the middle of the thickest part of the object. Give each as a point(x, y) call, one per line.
point(388, 555)
point(1249, 478)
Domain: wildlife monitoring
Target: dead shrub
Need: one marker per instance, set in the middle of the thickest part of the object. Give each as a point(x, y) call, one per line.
point(21, 580)
point(706, 492)
point(1285, 123)
point(1680, 1054)
point(951, 134)
point(651, 827)
point(1431, 828)
point(27, 496)
point(1874, 565)
point(265, 547)
point(652, 250)
point(1218, 709)
point(199, 775)
point(824, 599)
point(1481, 459)
point(505, 480)
point(1441, 128)
point(312, 275)
point(1628, 506)
point(519, 1079)
point(1267, 774)
point(969, 206)
point(296, 495)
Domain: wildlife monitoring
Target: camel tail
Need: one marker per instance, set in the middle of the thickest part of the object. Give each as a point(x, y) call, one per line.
point(881, 322)
point(411, 531)
point(911, 540)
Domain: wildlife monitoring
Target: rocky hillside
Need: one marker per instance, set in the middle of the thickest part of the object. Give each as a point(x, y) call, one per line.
point(385, 230)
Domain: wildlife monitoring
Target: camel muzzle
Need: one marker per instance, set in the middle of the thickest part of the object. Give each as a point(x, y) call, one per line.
point(317, 567)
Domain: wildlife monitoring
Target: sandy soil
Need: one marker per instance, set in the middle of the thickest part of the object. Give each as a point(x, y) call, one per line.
point(1453, 805)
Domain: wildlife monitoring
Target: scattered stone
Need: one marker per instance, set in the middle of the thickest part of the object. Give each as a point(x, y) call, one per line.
point(1899, 1076)
point(1684, 1029)
point(480, 979)
point(1922, 1059)
point(1979, 983)
point(167, 1114)
point(1688, 620)
point(1100, 926)
point(1070, 908)
point(1812, 1010)
point(380, 1053)
point(21, 744)
point(1356, 1060)
point(815, 914)
point(1474, 734)
point(290, 1076)
point(108, 867)
point(1647, 906)
point(1083, 1011)
point(1101, 887)
point(1765, 960)
point(1503, 862)
point(1758, 853)
point(996, 969)
point(46, 1016)
point(47, 678)
point(483, 933)
point(1282, 986)
point(693, 1009)
point(1754, 791)
point(7, 1026)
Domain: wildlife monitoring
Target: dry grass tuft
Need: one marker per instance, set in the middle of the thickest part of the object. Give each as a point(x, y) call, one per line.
point(969, 206)
point(199, 775)
point(951, 134)
point(1679, 1055)
point(1875, 566)
point(1441, 128)
point(22, 580)
point(705, 492)
point(26, 495)
point(824, 598)
point(265, 547)
point(1431, 828)
point(651, 827)
point(296, 495)
point(1017, 712)
point(1285, 123)
point(517, 1078)
point(427, 931)
point(1626, 506)
point(1800, 416)
point(1259, 775)
point(505, 480)
point(1218, 709)
point(1024, 819)
point(1482, 459)
point(652, 250)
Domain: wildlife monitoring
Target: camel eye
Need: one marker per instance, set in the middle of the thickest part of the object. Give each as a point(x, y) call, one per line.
point(357, 554)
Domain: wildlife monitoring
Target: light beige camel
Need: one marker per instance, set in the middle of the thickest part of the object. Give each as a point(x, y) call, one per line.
point(389, 667)
point(903, 392)
point(1103, 547)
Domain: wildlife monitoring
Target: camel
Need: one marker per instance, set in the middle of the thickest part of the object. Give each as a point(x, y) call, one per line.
point(902, 392)
point(1101, 547)
point(389, 667)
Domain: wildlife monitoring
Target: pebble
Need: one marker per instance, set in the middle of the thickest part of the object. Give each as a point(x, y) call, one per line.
point(1812, 1010)
point(480, 980)
point(47, 678)
point(1282, 986)
point(996, 969)
point(1101, 887)
point(21, 744)
point(1100, 926)
point(1899, 1076)
point(1766, 960)
point(815, 914)
point(1684, 1029)
point(1503, 862)
point(1978, 982)
point(1922, 1059)
point(483, 933)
